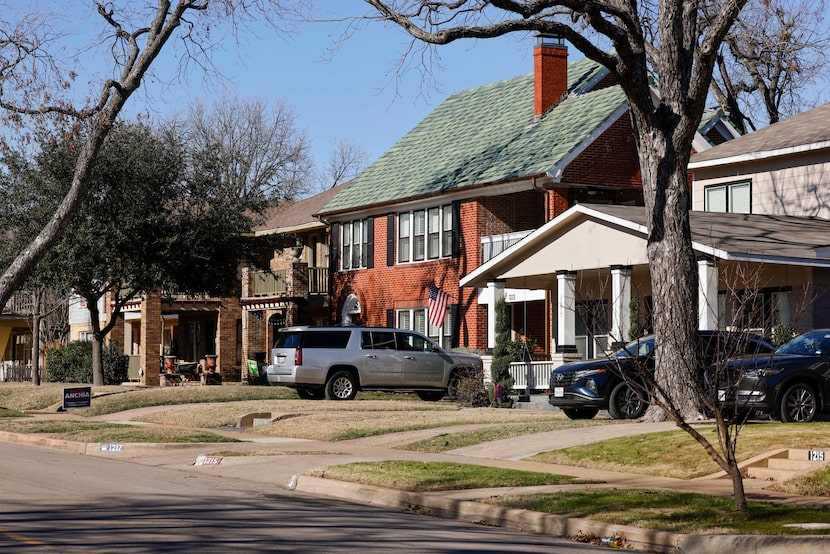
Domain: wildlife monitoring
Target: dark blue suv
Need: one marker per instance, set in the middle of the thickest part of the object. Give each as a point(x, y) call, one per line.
point(792, 384)
point(582, 389)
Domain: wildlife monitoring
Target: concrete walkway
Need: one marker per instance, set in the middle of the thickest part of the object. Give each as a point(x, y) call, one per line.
point(281, 464)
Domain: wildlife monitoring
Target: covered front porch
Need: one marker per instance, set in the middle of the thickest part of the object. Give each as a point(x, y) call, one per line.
point(755, 272)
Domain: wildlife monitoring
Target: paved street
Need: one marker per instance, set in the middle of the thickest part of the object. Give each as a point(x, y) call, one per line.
point(61, 502)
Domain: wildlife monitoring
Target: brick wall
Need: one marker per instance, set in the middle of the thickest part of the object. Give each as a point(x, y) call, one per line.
point(226, 337)
point(611, 160)
point(151, 329)
point(407, 285)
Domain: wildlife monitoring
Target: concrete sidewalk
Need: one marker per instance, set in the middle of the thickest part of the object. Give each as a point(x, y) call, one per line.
point(281, 464)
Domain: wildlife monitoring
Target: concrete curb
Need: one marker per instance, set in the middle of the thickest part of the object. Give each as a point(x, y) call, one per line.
point(557, 526)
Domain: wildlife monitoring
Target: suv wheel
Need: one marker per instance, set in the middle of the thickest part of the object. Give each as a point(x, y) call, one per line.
point(798, 404)
point(626, 403)
point(341, 386)
point(580, 413)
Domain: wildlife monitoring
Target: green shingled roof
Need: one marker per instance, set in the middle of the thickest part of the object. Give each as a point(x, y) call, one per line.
point(483, 135)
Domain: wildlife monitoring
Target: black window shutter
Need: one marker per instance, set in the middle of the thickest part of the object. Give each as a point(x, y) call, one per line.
point(456, 325)
point(456, 229)
point(334, 258)
point(390, 318)
point(370, 244)
point(390, 240)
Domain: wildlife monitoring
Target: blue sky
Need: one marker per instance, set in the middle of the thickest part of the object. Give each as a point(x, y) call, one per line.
point(357, 93)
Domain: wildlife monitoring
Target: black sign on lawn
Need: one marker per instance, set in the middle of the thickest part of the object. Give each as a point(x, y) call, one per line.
point(77, 397)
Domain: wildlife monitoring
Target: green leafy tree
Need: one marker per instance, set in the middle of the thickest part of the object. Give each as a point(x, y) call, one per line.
point(155, 222)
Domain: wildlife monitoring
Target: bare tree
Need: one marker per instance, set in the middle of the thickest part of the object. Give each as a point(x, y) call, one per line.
point(255, 149)
point(347, 160)
point(36, 83)
point(770, 57)
point(669, 40)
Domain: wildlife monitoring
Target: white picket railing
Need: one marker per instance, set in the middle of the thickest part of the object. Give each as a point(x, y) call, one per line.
point(536, 373)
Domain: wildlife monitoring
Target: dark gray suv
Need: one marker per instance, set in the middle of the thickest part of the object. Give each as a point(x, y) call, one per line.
point(336, 362)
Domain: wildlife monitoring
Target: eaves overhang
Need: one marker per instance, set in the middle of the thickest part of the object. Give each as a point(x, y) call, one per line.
point(459, 193)
point(755, 156)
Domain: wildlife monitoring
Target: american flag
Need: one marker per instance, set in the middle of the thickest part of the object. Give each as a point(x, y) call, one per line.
point(437, 305)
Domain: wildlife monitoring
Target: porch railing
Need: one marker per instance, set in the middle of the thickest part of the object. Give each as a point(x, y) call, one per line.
point(534, 374)
point(15, 371)
point(318, 280)
point(493, 245)
point(19, 303)
point(268, 283)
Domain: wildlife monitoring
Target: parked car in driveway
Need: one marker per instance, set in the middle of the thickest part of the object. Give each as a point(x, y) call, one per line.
point(582, 389)
point(337, 362)
point(791, 384)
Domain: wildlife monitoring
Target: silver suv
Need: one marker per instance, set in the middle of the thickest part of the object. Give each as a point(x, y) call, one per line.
point(336, 362)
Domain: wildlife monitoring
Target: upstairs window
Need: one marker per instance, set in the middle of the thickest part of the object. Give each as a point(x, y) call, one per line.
point(356, 238)
point(425, 234)
point(730, 197)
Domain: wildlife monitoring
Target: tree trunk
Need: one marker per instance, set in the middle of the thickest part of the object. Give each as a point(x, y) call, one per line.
point(673, 271)
point(97, 340)
point(97, 361)
point(36, 302)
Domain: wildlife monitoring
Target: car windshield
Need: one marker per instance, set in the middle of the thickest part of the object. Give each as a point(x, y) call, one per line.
point(637, 348)
point(808, 344)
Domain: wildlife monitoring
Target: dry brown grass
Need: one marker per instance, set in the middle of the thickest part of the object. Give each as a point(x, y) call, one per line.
point(331, 420)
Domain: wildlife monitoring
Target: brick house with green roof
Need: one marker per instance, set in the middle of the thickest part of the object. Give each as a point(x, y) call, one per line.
point(483, 170)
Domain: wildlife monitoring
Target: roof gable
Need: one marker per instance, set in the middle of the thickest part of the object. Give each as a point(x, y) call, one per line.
point(292, 215)
point(802, 132)
point(486, 135)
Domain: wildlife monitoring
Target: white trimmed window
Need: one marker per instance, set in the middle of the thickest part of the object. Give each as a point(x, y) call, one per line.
point(355, 241)
point(729, 197)
point(416, 320)
point(425, 234)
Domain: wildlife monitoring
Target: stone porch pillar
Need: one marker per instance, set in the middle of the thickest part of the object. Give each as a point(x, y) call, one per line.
point(226, 337)
point(151, 339)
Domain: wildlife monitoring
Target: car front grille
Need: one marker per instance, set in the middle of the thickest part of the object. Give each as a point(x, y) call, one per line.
point(561, 379)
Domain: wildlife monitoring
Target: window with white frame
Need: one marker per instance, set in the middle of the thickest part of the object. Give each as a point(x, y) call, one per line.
point(425, 234)
point(416, 320)
point(729, 197)
point(355, 244)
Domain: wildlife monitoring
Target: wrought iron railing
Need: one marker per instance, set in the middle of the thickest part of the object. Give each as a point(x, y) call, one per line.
point(318, 280)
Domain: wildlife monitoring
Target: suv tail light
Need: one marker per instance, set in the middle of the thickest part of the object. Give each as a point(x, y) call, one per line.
point(298, 356)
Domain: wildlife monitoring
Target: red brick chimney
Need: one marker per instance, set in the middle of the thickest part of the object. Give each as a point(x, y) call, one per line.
point(550, 72)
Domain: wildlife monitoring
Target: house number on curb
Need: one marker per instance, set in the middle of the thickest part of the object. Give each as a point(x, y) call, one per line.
point(112, 447)
point(815, 455)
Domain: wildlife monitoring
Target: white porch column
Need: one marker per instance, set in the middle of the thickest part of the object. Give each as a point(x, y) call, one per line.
point(496, 288)
point(566, 311)
point(707, 295)
point(620, 303)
